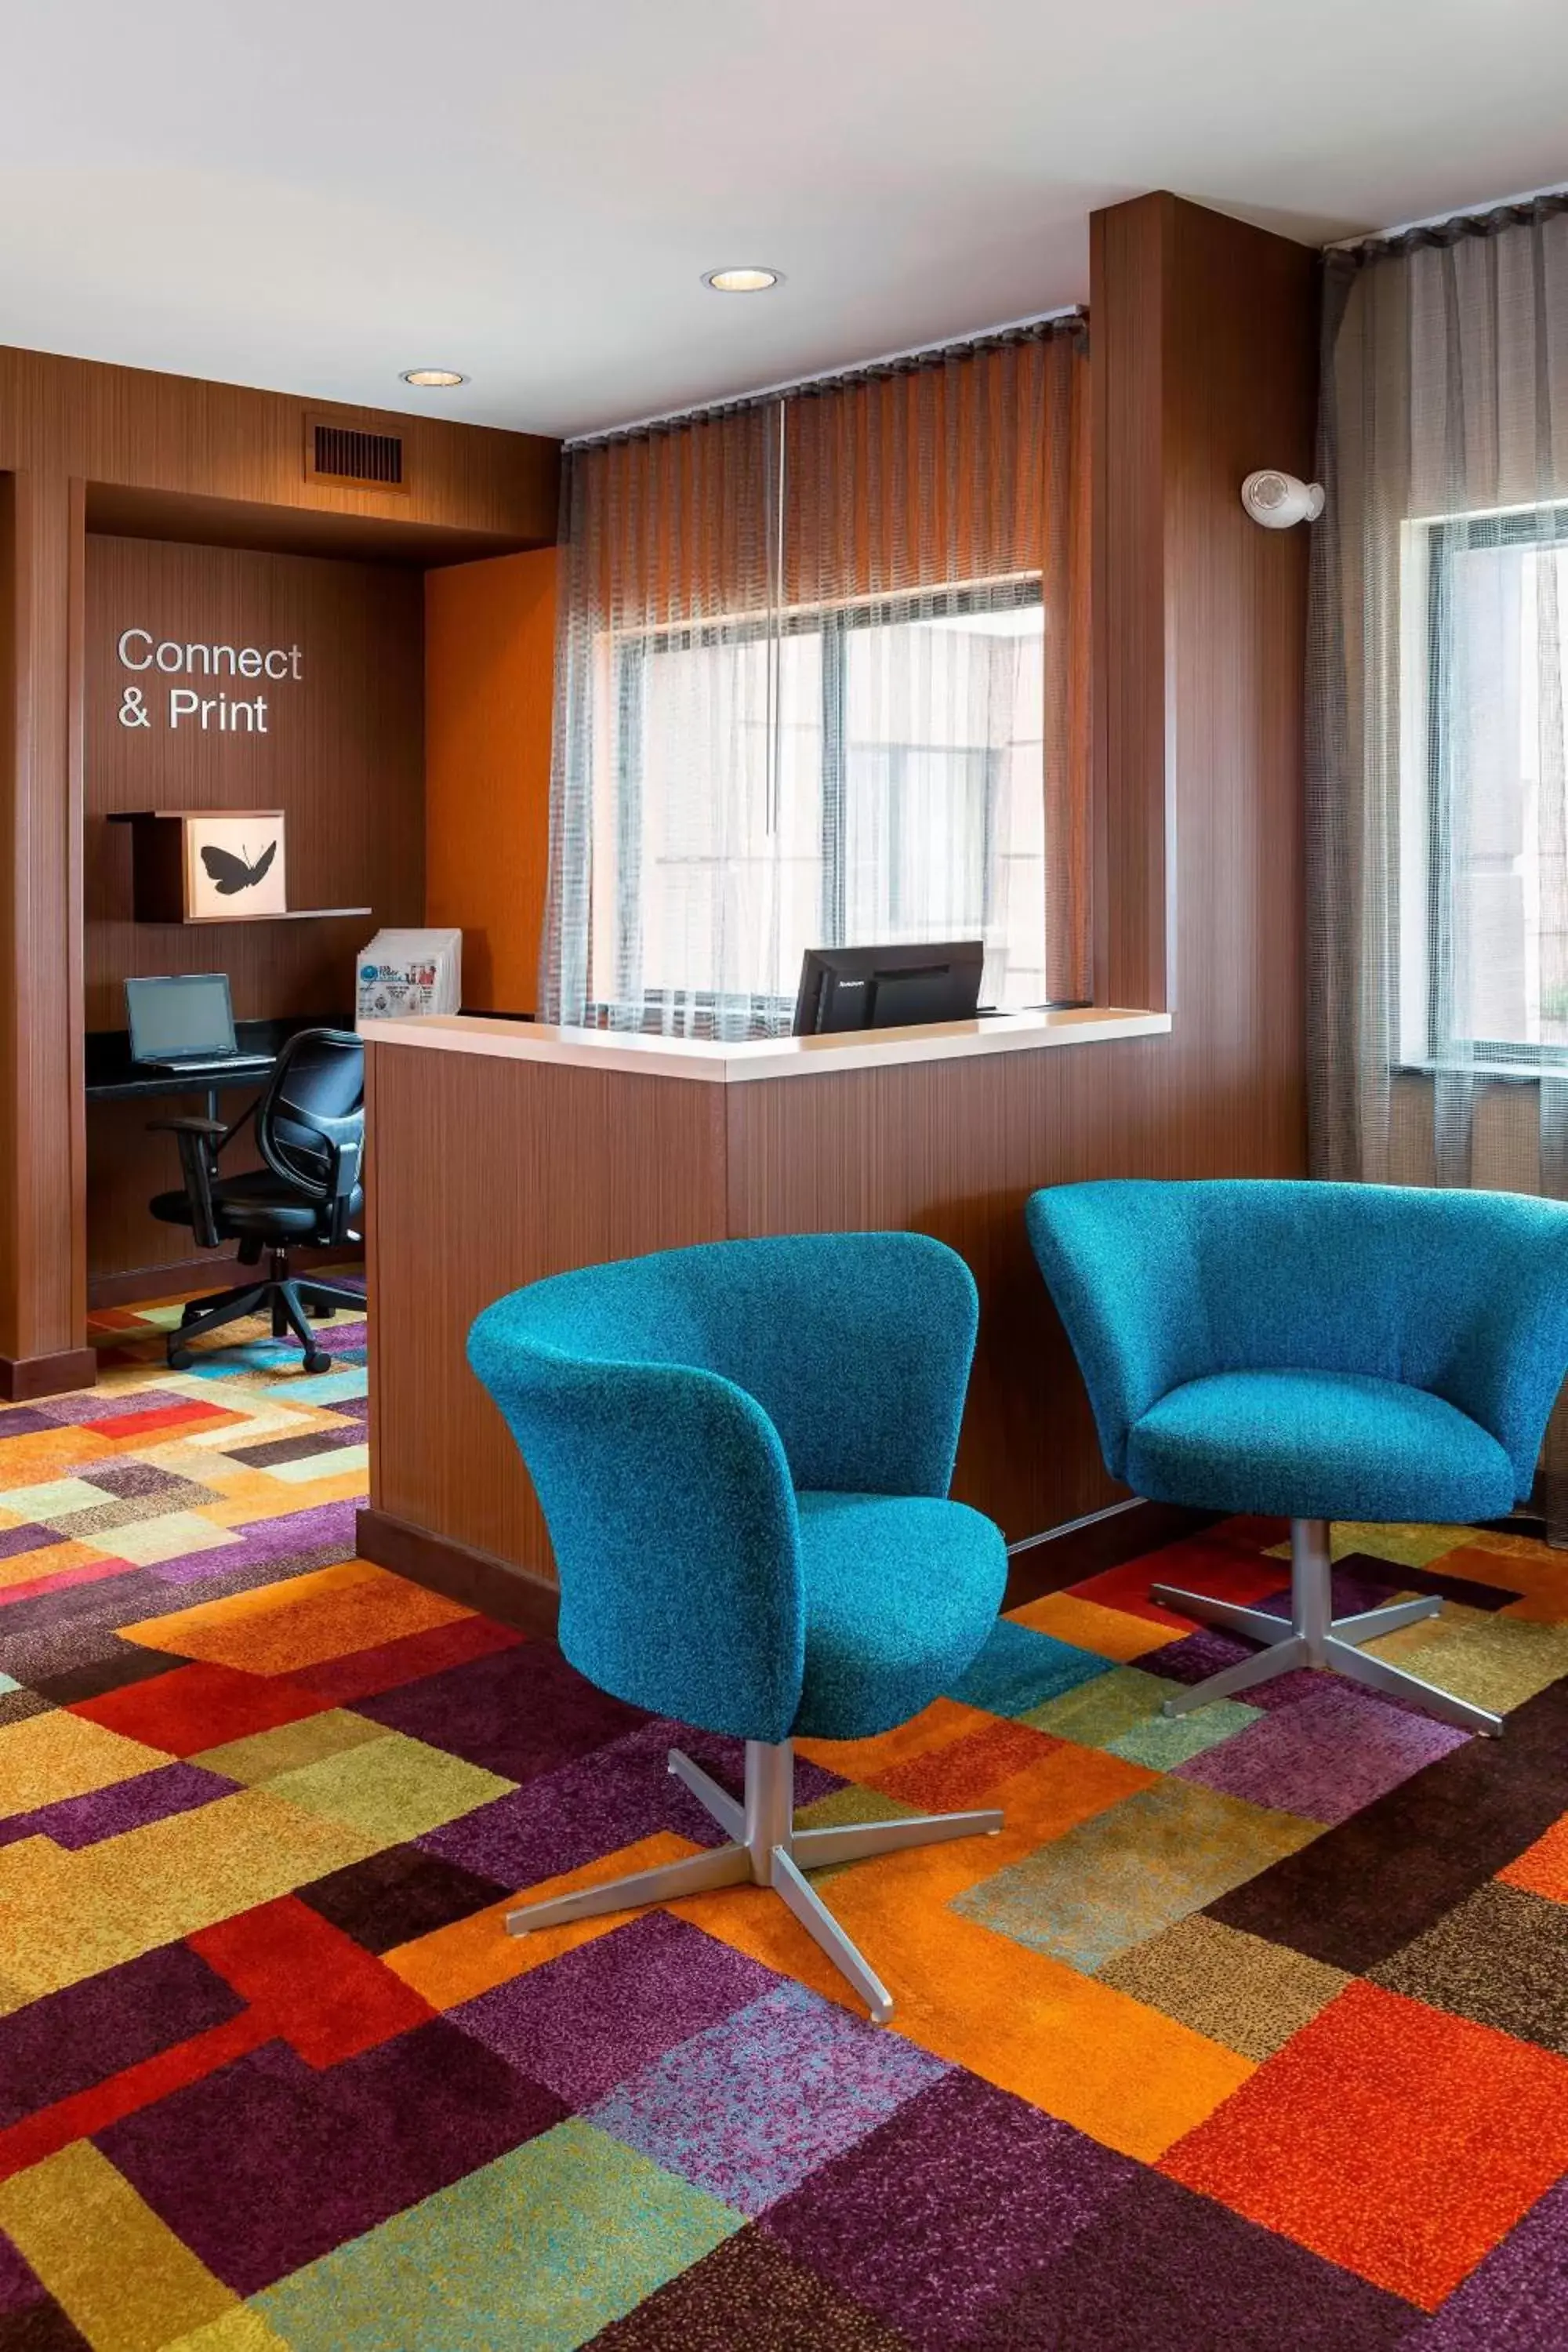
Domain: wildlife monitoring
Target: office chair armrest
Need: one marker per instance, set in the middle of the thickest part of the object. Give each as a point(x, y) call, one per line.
point(211, 1127)
point(200, 1142)
point(343, 1164)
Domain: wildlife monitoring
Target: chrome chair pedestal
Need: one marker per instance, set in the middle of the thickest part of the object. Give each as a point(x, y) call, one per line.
point(765, 1850)
point(1314, 1638)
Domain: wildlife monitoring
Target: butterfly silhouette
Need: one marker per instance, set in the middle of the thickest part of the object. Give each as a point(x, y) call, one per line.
point(233, 874)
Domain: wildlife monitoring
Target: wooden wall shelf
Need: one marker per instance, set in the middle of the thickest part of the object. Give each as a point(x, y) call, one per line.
point(161, 886)
point(289, 915)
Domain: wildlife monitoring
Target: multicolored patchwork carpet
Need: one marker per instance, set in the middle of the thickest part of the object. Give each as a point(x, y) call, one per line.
point(1250, 2031)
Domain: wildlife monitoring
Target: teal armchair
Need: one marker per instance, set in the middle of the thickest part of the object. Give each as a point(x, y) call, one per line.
point(1313, 1352)
point(743, 1451)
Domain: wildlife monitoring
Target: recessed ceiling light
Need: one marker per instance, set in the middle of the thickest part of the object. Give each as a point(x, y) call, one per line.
point(747, 280)
point(433, 379)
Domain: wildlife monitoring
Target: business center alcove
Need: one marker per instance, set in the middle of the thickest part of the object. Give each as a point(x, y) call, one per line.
point(239, 659)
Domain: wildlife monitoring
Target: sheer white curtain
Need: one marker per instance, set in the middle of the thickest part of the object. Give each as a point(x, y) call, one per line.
point(821, 679)
point(1439, 758)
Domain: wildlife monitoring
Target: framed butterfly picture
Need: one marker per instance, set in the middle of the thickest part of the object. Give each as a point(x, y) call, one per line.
point(235, 866)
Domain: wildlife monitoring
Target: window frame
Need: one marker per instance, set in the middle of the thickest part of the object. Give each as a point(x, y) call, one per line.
point(834, 623)
point(1444, 537)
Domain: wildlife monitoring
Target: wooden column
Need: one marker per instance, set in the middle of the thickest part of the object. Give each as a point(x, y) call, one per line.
point(1204, 342)
point(42, 1253)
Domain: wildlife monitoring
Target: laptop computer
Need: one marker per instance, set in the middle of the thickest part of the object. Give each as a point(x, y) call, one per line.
point(186, 1025)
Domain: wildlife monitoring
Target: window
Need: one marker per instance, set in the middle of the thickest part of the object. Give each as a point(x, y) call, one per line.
point(867, 772)
point(1484, 829)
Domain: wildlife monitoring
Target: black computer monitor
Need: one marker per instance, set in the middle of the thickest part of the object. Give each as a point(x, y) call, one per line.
point(888, 988)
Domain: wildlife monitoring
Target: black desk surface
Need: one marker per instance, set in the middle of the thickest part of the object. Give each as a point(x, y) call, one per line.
point(112, 1077)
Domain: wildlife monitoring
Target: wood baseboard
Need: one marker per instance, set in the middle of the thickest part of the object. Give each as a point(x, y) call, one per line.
point(147, 1283)
point(1086, 1547)
point(481, 1582)
point(477, 1578)
point(23, 1378)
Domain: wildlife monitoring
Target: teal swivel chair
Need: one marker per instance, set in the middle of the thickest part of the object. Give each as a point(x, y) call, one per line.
point(1313, 1352)
point(743, 1451)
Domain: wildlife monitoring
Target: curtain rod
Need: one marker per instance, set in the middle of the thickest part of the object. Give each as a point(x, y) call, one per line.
point(1071, 319)
point(1448, 228)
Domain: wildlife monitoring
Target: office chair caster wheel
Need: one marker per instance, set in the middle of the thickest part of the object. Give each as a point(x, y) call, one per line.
point(180, 1359)
point(318, 1361)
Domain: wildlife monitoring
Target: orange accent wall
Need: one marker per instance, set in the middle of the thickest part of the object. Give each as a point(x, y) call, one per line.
point(490, 659)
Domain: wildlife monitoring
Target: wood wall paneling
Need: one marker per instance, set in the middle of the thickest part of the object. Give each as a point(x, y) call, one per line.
point(1205, 354)
point(125, 430)
point(40, 1033)
point(493, 1175)
point(489, 659)
point(341, 756)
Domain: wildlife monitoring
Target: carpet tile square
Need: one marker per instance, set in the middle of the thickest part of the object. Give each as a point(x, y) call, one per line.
point(1110, 1632)
point(1326, 1757)
point(613, 2007)
point(1098, 1713)
point(1500, 1956)
point(1496, 1662)
point(518, 1713)
point(269, 2163)
point(746, 2109)
point(939, 2214)
point(1164, 2268)
point(1019, 1669)
point(1116, 1880)
point(263, 1809)
point(403, 1893)
point(1351, 2140)
point(1196, 1655)
point(562, 2236)
point(749, 2295)
point(1160, 1742)
point(1239, 1990)
point(150, 1542)
point(390, 1788)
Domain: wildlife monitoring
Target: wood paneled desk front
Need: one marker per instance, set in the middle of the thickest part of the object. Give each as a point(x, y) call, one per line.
point(499, 1152)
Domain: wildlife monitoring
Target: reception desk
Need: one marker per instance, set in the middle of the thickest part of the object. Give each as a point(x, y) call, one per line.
point(501, 1151)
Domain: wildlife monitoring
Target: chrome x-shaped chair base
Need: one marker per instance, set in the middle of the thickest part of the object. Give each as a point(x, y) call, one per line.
point(1316, 1638)
point(767, 1850)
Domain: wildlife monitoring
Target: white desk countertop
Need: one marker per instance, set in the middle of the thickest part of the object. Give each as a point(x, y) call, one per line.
point(762, 1057)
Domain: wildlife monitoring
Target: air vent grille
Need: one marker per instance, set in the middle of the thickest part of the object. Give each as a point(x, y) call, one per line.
point(340, 453)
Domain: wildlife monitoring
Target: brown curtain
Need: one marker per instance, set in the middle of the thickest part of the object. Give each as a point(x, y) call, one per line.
point(822, 673)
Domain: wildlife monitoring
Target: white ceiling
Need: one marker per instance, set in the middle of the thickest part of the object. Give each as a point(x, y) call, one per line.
point(312, 194)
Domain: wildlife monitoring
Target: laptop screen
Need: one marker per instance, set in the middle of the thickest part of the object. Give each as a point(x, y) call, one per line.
point(190, 1014)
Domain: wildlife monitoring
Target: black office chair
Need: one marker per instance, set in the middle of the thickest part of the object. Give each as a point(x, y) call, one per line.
point(309, 1129)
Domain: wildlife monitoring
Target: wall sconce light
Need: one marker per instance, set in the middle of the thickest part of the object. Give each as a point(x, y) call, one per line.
point(1277, 501)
